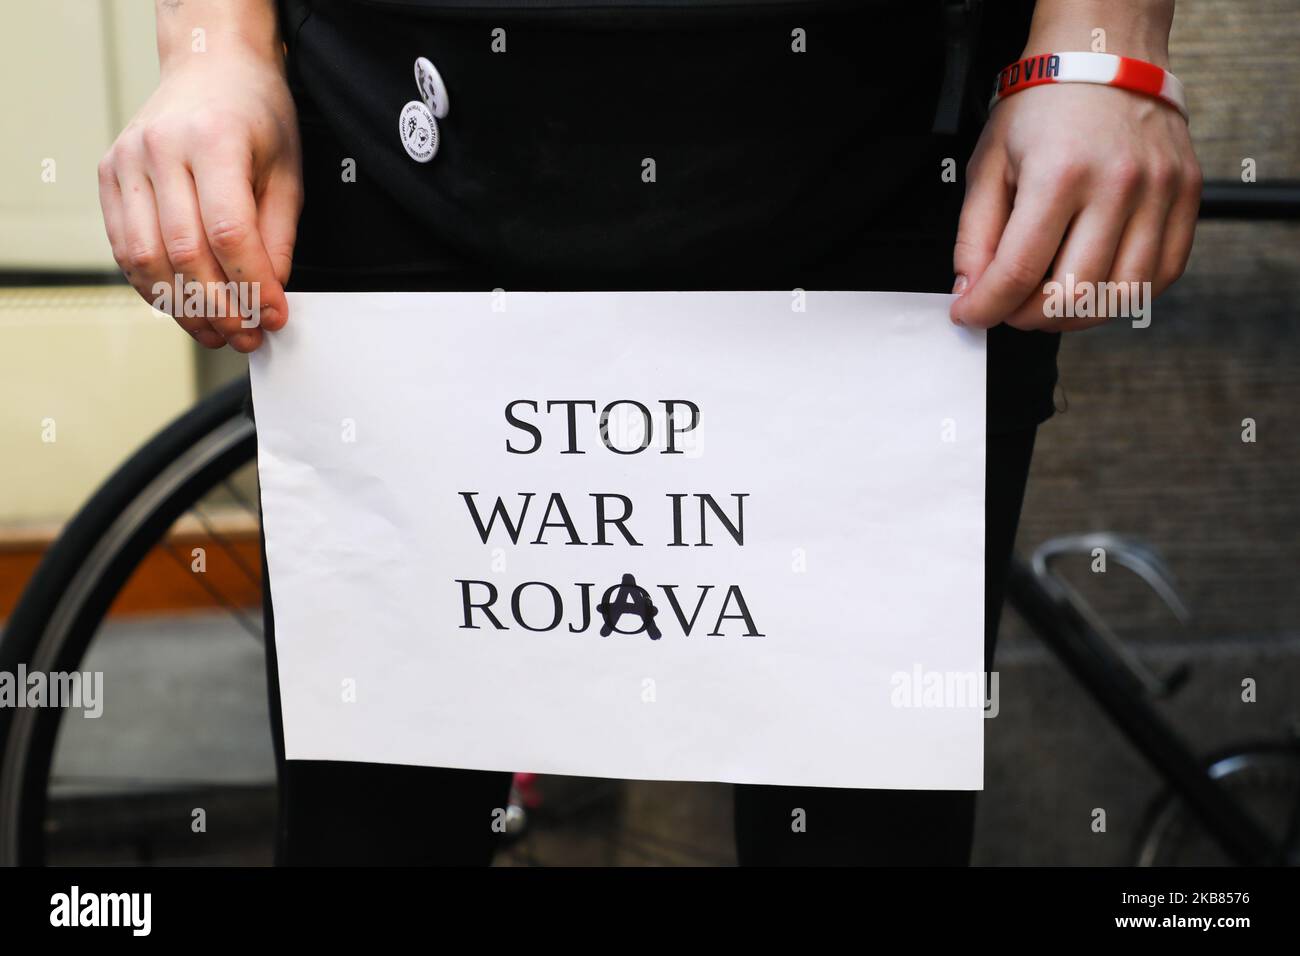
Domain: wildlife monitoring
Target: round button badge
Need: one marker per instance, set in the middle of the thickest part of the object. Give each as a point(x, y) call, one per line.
point(419, 131)
point(434, 92)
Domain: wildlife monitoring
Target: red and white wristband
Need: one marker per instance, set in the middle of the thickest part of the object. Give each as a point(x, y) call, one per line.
point(1138, 76)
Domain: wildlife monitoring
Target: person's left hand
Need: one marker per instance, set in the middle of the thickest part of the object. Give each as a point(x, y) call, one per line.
point(1072, 179)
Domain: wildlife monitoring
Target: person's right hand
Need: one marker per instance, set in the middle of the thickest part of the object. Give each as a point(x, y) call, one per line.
point(206, 183)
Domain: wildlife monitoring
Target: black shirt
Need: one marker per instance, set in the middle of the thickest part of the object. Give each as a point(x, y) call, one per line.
point(772, 168)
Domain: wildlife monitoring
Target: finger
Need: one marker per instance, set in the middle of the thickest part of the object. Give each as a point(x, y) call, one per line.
point(188, 252)
point(145, 261)
point(1180, 229)
point(110, 204)
point(1039, 216)
point(230, 222)
point(278, 211)
point(1137, 259)
point(984, 215)
point(142, 258)
point(1082, 263)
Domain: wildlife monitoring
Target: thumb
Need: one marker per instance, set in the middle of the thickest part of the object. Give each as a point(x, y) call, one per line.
point(984, 215)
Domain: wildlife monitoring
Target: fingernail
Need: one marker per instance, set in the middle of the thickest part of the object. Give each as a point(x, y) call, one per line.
point(959, 286)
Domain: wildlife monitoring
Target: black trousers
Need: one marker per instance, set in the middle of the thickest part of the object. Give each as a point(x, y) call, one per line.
point(335, 813)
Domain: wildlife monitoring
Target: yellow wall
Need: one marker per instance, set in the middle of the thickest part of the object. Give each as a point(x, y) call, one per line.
point(95, 361)
point(96, 370)
point(72, 72)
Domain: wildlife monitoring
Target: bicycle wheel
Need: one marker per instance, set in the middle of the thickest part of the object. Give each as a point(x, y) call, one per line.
point(65, 603)
point(1266, 781)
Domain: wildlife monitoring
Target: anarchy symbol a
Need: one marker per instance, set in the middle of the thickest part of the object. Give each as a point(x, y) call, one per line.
point(631, 599)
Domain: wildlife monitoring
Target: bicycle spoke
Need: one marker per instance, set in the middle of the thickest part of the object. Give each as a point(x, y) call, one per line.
point(238, 495)
point(236, 558)
point(253, 630)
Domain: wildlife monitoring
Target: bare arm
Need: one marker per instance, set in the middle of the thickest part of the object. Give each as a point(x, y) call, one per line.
point(1076, 179)
point(205, 183)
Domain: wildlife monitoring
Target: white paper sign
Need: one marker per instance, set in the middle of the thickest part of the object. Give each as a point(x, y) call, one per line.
point(793, 487)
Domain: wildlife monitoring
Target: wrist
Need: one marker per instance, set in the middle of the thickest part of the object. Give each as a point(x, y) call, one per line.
point(1134, 28)
point(1155, 54)
point(183, 43)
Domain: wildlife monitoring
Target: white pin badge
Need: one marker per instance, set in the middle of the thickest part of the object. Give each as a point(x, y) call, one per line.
point(419, 131)
point(434, 92)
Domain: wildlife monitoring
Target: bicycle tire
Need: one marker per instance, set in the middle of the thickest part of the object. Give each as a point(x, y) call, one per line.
point(66, 599)
point(1163, 839)
point(70, 593)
